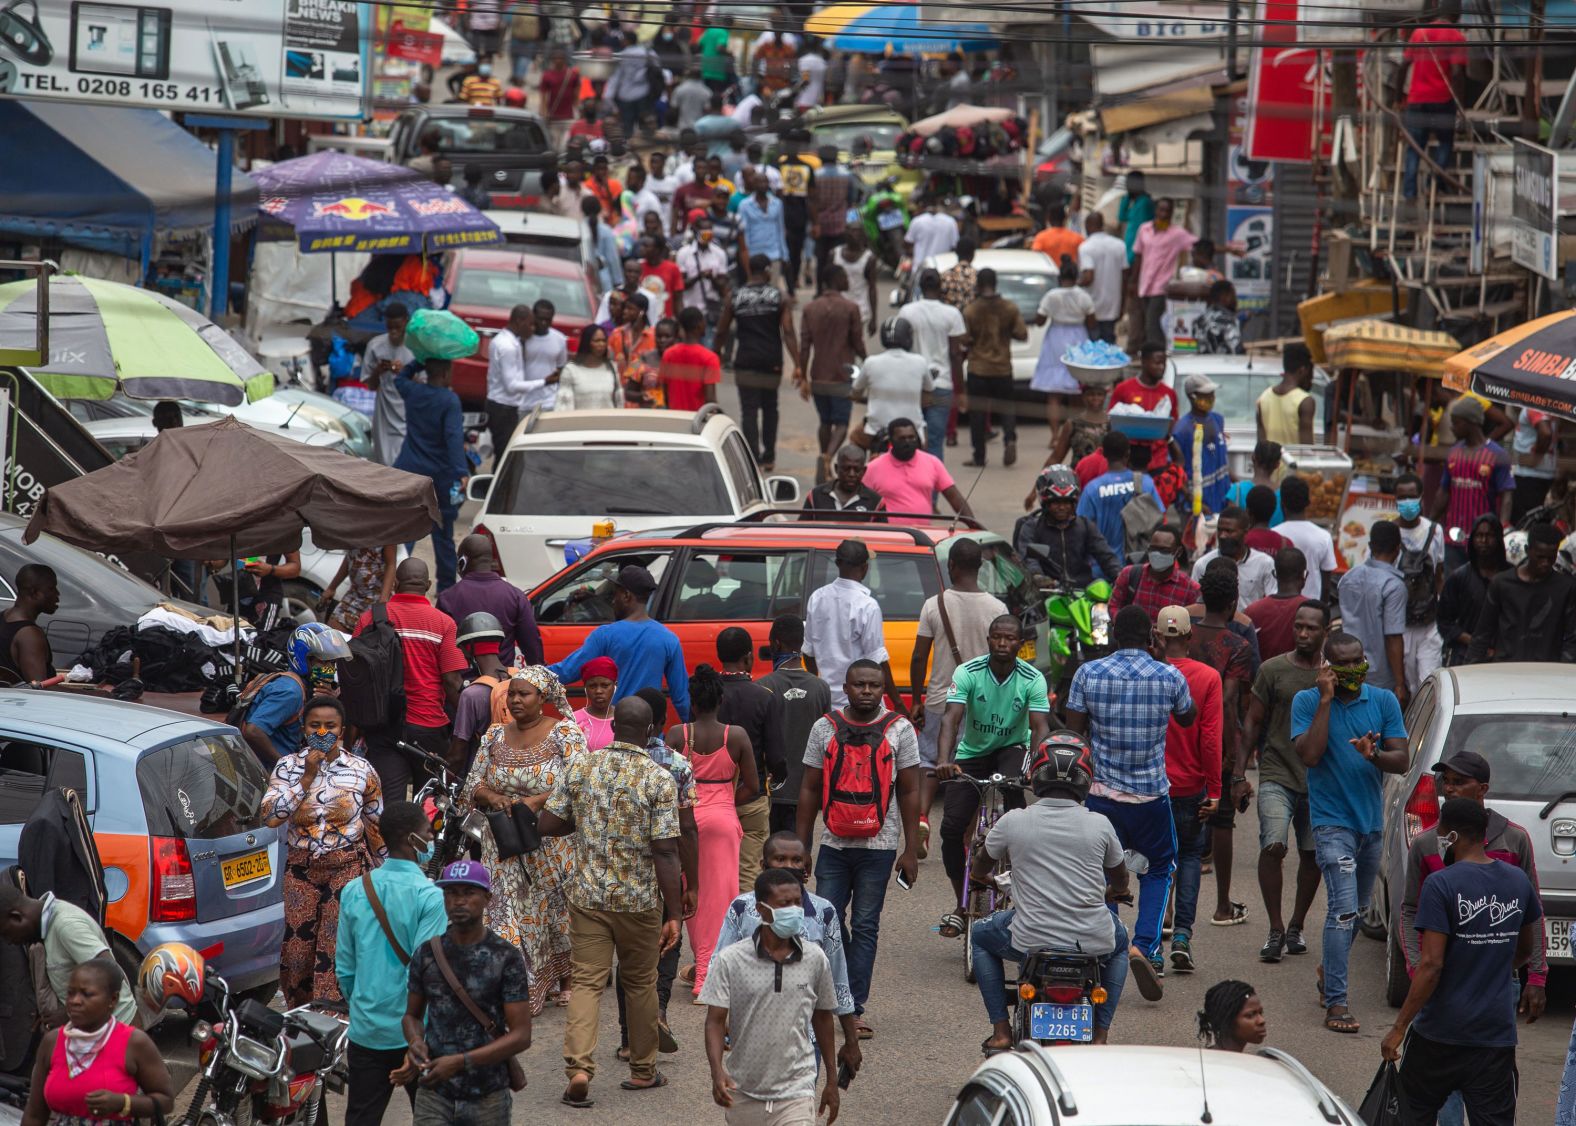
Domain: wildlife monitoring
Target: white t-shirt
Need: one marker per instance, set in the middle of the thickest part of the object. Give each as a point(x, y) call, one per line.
point(544, 354)
point(746, 108)
point(1413, 539)
point(812, 72)
point(1106, 255)
point(932, 233)
point(649, 200)
point(1066, 305)
point(1315, 543)
point(894, 382)
point(664, 187)
point(936, 324)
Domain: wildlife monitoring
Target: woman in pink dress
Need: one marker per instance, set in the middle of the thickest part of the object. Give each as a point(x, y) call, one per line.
point(600, 676)
point(724, 766)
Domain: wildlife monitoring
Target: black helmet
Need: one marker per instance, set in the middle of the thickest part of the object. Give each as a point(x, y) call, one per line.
point(1057, 483)
point(1062, 762)
point(480, 626)
point(896, 332)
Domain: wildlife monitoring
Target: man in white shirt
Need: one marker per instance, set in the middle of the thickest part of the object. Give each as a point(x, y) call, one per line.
point(505, 375)
point(1102, 262)
point(1314, 541)
point(894, 381)
point(744, 111)
point(546, 351)
point(1255, 570)
point(704, 266)
point(663, 183)
point(939, 335)
point(646, 200)
point(843, 624)
point(931, 232)
point(812, 74)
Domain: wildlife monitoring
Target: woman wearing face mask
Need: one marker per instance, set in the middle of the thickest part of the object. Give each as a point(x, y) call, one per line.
point(1232, 1018)
point(330, 802)
point(518, 762)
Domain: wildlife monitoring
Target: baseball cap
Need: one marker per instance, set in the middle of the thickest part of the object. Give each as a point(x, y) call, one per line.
point(637, 580)
point(1468, 764)
point(466, 873)
point(1469, 409)
point(1199, 385)
point(1173, 621)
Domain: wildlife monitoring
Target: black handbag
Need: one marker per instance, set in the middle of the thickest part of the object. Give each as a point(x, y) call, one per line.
point(514, 831)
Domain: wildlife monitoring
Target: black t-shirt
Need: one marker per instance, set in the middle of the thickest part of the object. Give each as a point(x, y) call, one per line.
point(747, 706)
point(758, 314)
point(493, 972)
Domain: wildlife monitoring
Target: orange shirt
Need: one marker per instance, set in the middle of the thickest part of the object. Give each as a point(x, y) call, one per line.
point(1057, 241)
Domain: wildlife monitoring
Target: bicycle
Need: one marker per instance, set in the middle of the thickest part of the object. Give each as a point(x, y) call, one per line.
point(983, 900)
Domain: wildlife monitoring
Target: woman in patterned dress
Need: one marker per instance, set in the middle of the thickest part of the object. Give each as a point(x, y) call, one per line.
point(519, 761)
point(371, 574)
point(330, 801)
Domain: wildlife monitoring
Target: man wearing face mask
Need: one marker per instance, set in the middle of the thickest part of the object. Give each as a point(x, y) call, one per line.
point(1071, 546)
point(394, 903)
point(1422, 566)
point(1255, 570)
point(786, 851)
point(1348, 734)
point(908, 478)
point(1157, 582)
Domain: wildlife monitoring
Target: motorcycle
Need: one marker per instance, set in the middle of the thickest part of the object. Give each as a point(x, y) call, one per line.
point(261, 1065)
point(1078, 629)
point(1054, 998)
point(885, 219)
point(456, 827)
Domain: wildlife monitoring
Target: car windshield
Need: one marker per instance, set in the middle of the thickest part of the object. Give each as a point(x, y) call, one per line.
point(203, 787)
point(613, 480)
point(1532, 757)
point(1003, 574)
point(1025, 290)
point(484, 134)
point(843, 135)
point(567, 249)
point(504, 289)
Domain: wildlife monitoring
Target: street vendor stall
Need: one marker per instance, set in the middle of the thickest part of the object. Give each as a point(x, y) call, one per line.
point(1531, 365)
point(978, 151)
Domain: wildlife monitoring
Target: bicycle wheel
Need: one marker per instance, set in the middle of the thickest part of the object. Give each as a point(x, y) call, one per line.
point(968, 955)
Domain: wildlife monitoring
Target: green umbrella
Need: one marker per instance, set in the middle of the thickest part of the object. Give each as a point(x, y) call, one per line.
point(106, 337)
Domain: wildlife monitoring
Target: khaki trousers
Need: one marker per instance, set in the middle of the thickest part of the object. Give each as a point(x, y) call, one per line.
point(757, 821)
point(596, 937)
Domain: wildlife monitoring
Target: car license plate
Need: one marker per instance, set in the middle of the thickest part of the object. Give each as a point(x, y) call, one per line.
point(1557, 939)
point(245, 869)
point(887, 220)
point(1061, 1022)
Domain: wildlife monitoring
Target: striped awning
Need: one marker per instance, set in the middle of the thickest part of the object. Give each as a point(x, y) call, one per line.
point(1382, 346)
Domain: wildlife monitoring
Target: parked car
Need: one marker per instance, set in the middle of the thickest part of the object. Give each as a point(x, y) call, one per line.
point(174, 803)
point(716, 575)
point(644, 469)
point(542, 232)
point(296, 411)
point(330, 415)
point(1038, 1086)
point(1518, 717)
point(511, 146)
point(486, 284)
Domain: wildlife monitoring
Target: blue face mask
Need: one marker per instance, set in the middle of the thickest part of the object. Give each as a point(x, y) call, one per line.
point(787, 922)
point(1409, 509)
point(423, 850)
point(324, 741)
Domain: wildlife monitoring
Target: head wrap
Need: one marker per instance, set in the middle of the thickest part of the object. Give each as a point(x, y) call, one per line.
point(599, 666)
point(549, 686)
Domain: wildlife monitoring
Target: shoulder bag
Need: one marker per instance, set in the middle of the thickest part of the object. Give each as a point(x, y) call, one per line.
point(490, 1026)
point(946, 625)
point(383, 919)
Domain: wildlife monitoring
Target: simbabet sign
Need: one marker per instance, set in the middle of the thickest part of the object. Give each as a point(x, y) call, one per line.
point(1534, 209)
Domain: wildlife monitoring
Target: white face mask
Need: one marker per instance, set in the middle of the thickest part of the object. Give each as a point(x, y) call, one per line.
point(1446, 843)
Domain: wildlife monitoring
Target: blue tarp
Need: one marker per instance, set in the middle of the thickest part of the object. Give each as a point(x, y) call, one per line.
point(106, 178)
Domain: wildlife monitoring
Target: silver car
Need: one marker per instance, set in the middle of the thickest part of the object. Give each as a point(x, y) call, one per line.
point(1519, 717)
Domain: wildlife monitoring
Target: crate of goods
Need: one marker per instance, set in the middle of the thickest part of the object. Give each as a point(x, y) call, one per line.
point(1142, 427)
point(1328, 472)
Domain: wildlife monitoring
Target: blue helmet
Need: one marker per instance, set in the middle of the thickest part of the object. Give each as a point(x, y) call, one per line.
point(315, 644)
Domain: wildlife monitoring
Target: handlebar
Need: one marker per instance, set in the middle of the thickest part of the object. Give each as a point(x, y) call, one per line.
point(431, 759)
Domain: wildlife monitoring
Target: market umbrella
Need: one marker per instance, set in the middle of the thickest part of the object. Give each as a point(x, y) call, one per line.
point(225, 490)
point(1533, 365)
point(335, 201)
point(1385, 346)
point(958, 117)
point(106, 337)
point(894, 29)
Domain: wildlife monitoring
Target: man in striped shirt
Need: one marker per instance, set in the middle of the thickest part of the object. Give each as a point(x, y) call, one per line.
point(1476, 481)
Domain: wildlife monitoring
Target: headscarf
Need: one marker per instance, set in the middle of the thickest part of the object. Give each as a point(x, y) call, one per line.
point(599, 666)
point(549, 686)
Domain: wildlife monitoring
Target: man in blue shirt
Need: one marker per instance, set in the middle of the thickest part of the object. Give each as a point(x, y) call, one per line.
point(1373, 607)
point(371, 971)
point(1214, 476)
point(1347, 733)
point(1105, 497)
point(761, 221)
point(435, 447)
point(647, 653)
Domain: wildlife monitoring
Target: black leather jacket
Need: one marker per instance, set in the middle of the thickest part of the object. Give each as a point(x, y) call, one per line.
point(1074, 549)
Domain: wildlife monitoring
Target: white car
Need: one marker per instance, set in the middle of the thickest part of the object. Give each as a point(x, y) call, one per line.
point(642, 469)
point(1022, 277)
point(1093, 1086)
point(542, 232)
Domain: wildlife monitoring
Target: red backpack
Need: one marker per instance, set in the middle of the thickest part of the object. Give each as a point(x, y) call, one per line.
point(857, 776)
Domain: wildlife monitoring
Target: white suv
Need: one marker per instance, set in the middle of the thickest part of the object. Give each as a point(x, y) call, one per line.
point(643, 469)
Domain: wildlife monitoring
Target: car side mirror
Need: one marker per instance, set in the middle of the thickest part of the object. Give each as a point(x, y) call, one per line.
point(1039, 551)
point(480, 486)
point(784, 489)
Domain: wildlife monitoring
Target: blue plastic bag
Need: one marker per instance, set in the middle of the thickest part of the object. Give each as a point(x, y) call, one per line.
point(341, 361)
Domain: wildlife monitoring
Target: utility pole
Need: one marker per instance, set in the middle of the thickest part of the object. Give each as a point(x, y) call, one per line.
point(1532, 101)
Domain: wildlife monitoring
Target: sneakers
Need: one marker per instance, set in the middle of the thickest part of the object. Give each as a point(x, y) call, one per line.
point(1273, 945)
point(1181, 954)
point(1159, 964)
point(1294, 942)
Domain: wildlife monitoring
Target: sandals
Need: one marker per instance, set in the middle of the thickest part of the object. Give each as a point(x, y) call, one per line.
point(923, 848)
point(1342, 1021)
point(657, 1080)
point(994, 1050)
point(951, 925)
point(862, 1030)
point(1144, 976)
point(1239, 915)
point(581, 1099)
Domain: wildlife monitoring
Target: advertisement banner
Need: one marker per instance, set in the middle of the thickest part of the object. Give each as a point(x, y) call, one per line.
point(1252, 271)
point(268, 58)
point(1534, 209)
point(1285, 84)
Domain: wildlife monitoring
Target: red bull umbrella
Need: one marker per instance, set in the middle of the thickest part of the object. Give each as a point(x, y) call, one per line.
point(1531, 365)
point(334, 202)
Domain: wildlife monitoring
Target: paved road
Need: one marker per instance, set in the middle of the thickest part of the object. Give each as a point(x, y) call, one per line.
point(929, 1022)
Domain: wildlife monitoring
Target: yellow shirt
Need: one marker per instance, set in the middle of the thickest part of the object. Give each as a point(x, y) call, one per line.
point(1279, 413)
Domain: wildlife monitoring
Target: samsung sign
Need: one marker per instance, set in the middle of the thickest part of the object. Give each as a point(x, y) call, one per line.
point(1535, 192)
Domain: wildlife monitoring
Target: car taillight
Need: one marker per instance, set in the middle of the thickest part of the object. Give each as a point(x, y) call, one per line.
point(484, 530)
point(1063, 994)
point(1422, 808)
point(174, 891)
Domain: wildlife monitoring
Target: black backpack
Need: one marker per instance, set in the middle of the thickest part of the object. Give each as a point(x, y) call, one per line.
point(1417, 569)
point(372, 681)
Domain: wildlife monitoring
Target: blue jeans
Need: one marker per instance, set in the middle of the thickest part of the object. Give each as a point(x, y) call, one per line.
point(1422, 122)
point(521, 52)
point(936, 425)
point(1348, 861)
point(856, 876)
point(629, 113)
point(1145, 827)
point(992, 939)
point(1191, 835)
point(443, 552)
point(434, 1109)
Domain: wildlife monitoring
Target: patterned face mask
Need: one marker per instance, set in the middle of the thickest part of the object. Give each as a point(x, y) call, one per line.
point(1349, 678)
point(324, 741)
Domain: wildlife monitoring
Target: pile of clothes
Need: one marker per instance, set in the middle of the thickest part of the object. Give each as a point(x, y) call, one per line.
point(969, 142)
point(169, 649)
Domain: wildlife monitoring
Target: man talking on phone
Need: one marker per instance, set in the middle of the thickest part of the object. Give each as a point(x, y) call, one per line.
point(387, 355)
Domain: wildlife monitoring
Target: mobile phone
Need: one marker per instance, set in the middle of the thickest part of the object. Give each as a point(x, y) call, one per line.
point(845, 1075)
point(902, 881)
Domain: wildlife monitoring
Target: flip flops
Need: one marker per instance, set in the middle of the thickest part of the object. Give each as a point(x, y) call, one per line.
point(657, 1080)
point(578, 1094)
point(1145, 977)
point(951, 925)
point(1239, 915)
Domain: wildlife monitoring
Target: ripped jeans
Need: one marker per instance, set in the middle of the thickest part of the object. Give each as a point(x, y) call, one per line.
point(1348, 861)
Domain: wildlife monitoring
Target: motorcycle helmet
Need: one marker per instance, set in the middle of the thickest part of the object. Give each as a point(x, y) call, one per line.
point(1062, 761)
point(171, 972)
point(1515, 548)
point(897, 333)
point(1058, 482)
point(480, 626)
point(315, 644)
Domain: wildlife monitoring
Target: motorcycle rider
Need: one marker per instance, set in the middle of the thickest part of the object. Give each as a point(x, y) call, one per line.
point(1074, 542)
point(1068, 869)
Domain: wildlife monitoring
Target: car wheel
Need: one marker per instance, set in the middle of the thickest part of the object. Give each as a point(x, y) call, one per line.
point(301, 602)
point(1396, 980)
point(1370, 922)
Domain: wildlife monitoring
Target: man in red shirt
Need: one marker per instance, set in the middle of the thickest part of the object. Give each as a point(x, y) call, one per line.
point(560, 89)
point(1193, 757)
point(1148, 390)
point(1436, 56)
point(690, 371)
point(655, 261)
point(1273, 616)
point(433, 664)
